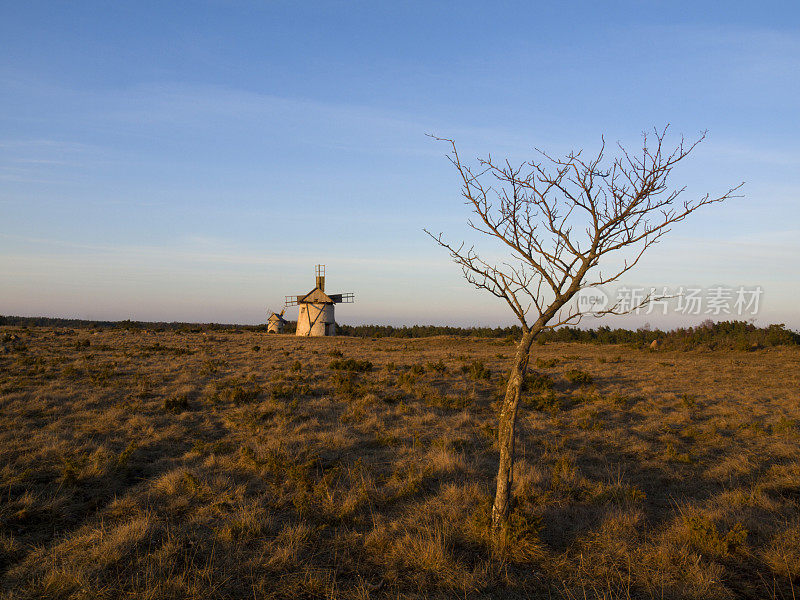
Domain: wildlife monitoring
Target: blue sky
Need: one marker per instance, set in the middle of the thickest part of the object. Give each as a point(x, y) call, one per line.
point(193, 161)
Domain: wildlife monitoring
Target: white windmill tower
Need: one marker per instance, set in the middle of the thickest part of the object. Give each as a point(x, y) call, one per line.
point(315, 317)
point(276, 322)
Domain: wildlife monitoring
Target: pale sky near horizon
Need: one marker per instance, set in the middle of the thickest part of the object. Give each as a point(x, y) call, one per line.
point(194, 161)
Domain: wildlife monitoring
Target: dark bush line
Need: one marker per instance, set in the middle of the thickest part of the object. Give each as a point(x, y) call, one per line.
point(129, 325)
point(738, 335)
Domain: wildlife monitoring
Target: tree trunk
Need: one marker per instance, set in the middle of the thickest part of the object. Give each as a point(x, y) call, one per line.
point(506, 432)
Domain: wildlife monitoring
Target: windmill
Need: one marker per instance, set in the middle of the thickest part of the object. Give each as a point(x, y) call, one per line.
point(276, 322)
point(315, 317)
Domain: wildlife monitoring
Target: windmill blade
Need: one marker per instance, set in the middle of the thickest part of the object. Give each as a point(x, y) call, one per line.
point(348, 298)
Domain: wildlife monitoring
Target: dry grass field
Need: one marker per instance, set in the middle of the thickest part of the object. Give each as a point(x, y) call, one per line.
point(239, 465)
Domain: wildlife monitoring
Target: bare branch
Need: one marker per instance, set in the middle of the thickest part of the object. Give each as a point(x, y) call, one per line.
point(560, 217)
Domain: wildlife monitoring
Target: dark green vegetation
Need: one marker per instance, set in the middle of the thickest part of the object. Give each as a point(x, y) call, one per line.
point(731, 335)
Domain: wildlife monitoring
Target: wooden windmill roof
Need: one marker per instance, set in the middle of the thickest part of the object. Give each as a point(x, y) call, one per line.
point(315, 296)
point(276, 317)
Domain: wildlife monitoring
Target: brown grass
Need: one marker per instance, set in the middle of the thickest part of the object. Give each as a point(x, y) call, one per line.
point(175, 465)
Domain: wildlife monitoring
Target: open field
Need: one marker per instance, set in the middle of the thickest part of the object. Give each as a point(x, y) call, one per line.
point(237, 465)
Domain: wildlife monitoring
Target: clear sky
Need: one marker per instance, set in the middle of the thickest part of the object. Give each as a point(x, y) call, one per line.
point(193, 161)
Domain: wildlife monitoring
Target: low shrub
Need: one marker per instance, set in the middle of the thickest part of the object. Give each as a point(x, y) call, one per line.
point(476, 370)
point(286, 391)
point(236, 392)
point(350, 364)
point(537, 382)
point(546, 400)
point(406, 379)
point(547, 363)
point(703, 535)
point(578, 377)
point(439, 366)
point(417, 369)
point(345, 384)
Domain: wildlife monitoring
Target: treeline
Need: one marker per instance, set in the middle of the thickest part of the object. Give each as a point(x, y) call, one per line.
point(739, 335)
point(126, 324)
point(419, 331)
point(724, 334)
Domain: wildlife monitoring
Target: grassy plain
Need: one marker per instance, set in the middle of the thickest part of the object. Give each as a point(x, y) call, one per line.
point(239, 465)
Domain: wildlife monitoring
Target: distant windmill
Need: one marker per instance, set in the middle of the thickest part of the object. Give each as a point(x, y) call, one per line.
point(315, 317)
point(276, 322)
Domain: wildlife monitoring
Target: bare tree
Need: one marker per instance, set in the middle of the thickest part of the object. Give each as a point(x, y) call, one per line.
point(560, 219)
